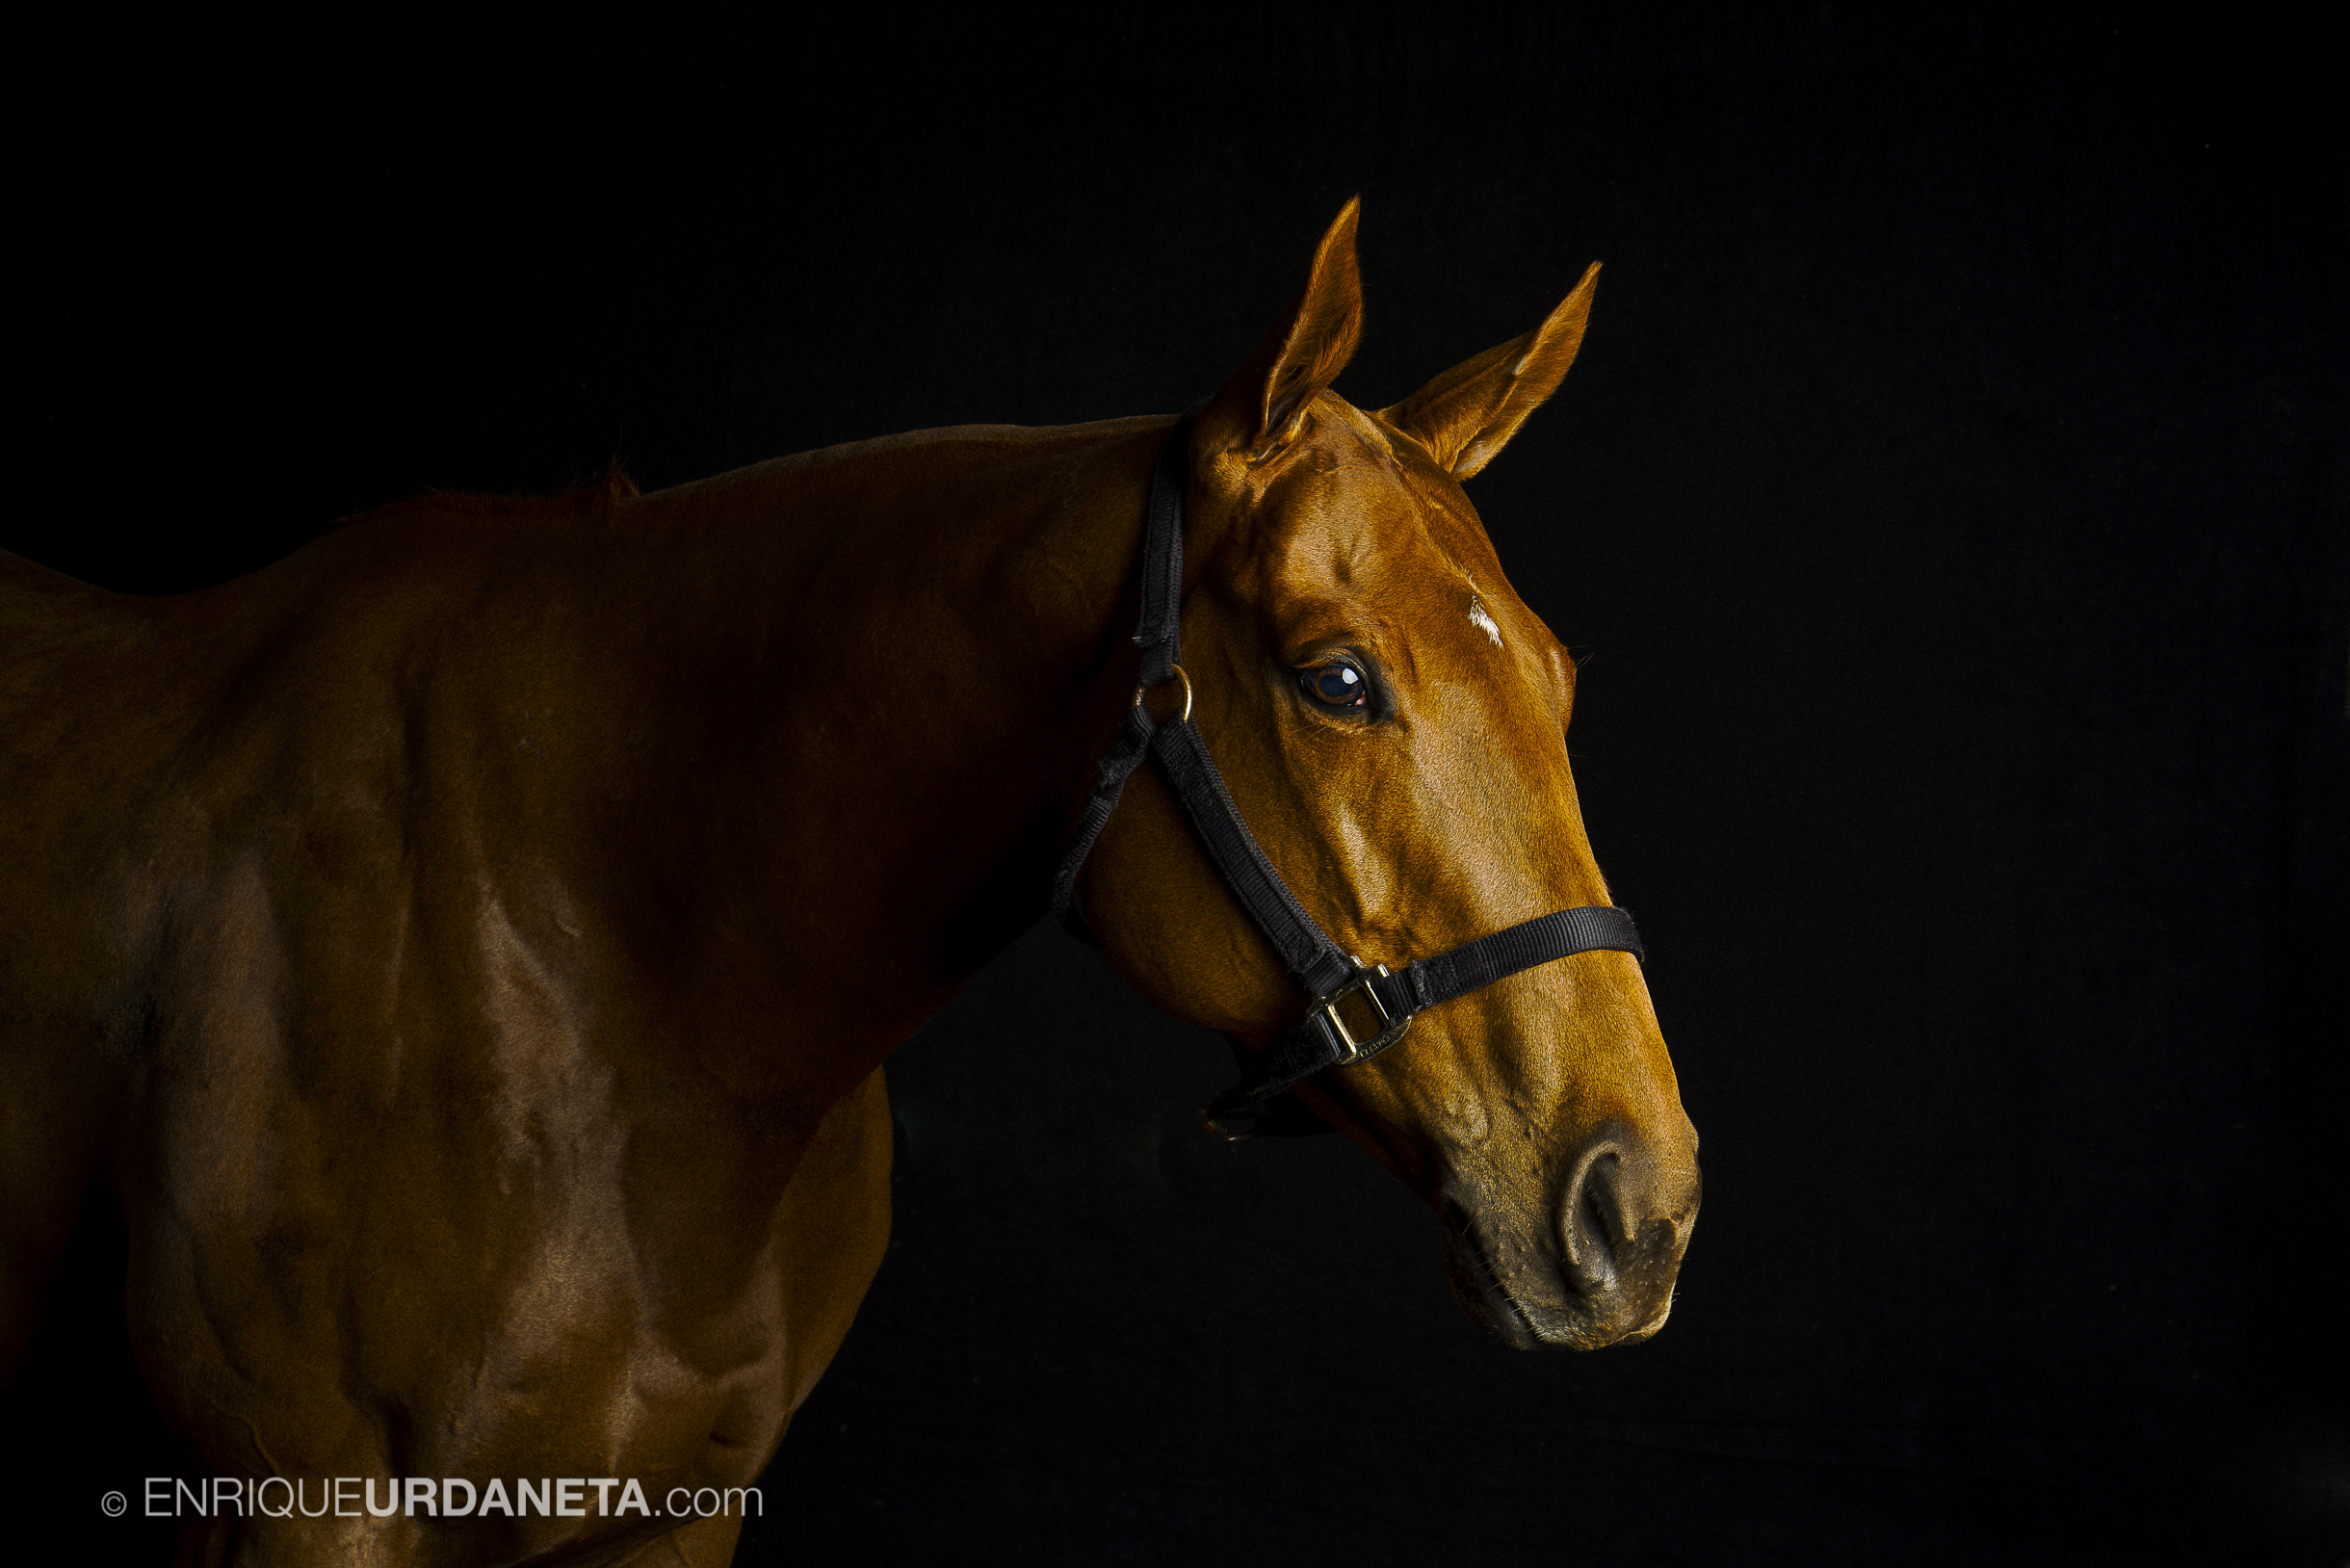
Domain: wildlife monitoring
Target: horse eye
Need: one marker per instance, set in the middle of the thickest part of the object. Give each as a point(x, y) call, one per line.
point(1336, 686)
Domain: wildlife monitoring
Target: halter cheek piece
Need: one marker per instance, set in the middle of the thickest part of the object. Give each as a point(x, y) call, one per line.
point(1357, 1012)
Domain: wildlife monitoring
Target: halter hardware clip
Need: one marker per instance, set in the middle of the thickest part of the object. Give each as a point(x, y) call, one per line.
point(1372, 1028)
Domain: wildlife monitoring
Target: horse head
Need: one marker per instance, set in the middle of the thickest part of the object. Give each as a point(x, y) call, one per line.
point(1390, 720)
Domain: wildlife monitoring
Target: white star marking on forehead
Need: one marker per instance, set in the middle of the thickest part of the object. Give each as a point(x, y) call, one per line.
point(1482, 621)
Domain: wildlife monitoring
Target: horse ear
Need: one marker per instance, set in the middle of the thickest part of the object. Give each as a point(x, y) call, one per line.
point(1466, 414)
point(1258, 408)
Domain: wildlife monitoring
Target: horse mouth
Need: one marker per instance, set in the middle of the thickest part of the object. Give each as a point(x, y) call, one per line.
point(1486, 1294)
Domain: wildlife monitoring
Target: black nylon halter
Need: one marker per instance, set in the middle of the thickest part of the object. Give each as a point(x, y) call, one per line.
point(1357, 1012)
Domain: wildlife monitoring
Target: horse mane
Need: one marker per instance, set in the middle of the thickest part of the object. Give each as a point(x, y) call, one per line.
point(589, 499)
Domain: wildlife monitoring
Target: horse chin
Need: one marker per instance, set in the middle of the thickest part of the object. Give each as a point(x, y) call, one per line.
point(1479, 1293)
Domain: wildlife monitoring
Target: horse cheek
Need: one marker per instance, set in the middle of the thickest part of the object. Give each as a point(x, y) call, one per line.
point(1169, 926)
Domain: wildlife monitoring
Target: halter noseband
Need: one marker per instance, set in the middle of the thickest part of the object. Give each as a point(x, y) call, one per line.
point(1357, 1011)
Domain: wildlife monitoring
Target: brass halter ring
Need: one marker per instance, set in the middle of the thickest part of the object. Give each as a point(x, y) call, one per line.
point(1186, 694)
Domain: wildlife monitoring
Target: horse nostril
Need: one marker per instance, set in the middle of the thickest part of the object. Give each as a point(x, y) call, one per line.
point(1593, 1223)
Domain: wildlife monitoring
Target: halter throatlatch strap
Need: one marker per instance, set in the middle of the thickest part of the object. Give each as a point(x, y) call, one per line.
point(1357, 1012)
point(1159, 638)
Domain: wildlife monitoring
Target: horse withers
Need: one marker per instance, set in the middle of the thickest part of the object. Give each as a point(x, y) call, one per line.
point(466, 951)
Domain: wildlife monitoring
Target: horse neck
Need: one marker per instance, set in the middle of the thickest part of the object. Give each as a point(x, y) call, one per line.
point(904, 656)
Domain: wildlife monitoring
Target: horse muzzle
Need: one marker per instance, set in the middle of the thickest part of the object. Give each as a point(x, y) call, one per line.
point(1594, 1266)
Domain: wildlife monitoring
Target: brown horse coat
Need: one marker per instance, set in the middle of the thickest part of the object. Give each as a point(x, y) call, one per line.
point(467, 949)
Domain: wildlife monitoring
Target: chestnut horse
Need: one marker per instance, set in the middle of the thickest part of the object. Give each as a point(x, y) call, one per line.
point(466, 951)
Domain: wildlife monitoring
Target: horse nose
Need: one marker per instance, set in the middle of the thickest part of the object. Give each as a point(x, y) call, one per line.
point(1624, 1214)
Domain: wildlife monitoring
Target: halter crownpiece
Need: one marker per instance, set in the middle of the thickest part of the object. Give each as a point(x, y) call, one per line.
point(1357, 1010)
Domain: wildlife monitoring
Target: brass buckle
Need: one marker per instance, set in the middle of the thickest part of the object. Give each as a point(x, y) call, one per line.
point(1372, 1028)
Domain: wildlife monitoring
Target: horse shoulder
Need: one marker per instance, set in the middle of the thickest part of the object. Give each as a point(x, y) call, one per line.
point(401, 1074)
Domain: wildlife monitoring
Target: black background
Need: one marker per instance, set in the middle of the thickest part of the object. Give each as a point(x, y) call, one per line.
point(1949, 501)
